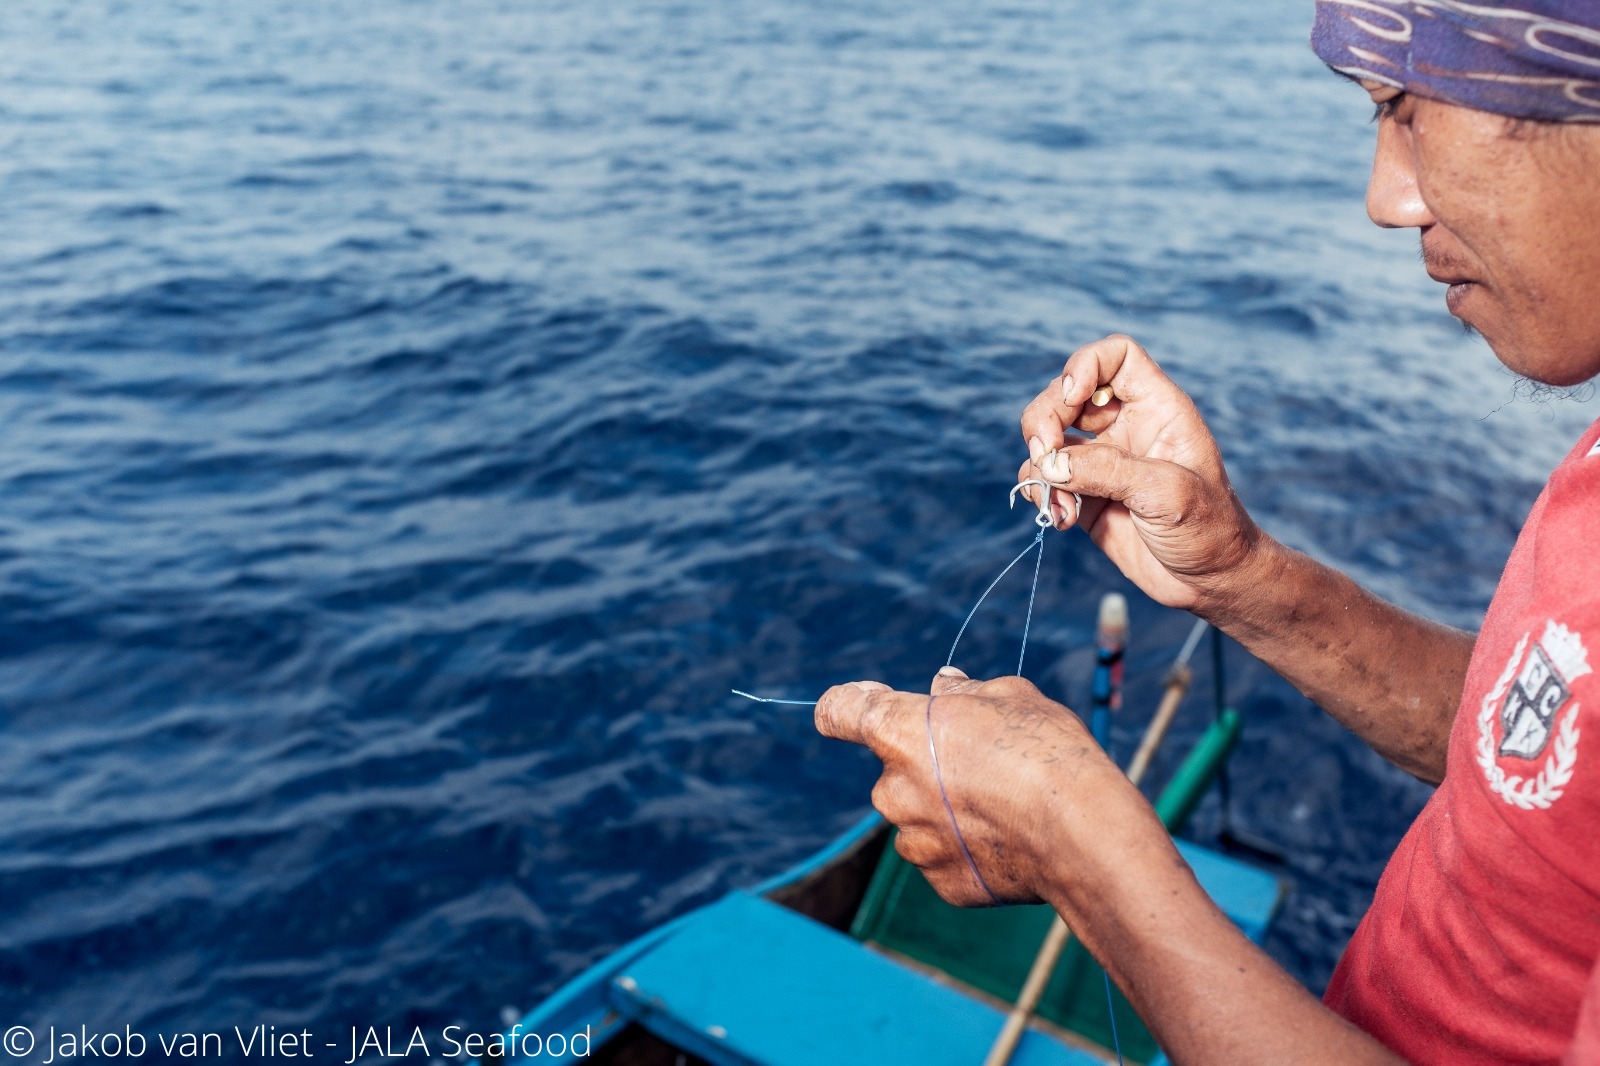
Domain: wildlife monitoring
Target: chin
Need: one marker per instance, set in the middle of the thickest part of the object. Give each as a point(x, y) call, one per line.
point(1547, 363)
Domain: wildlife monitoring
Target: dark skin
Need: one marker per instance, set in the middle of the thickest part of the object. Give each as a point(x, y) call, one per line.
point(1158, 502)
point(1512, 223)
point(1055, 821)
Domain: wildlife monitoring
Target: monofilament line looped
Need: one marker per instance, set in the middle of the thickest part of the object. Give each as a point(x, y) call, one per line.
point(933, 749)
point(1037, 542)
point(938, 778)
point(1032, 592)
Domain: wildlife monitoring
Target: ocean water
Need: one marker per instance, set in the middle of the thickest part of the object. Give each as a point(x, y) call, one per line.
point(417, 416)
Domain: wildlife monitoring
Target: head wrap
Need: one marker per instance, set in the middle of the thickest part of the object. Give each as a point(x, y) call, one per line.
point(1537, 59)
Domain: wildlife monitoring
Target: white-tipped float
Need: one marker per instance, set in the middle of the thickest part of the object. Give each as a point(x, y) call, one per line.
point(1111, 631)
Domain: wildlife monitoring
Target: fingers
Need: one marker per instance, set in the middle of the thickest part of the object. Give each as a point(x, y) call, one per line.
point(1010, 686)
point(1115, 361)
point(920, 847)
point(852, 711)
point(949, 680)
point(1065, 507)
point(947, 872)
point(1088, 509)
point(1118, 361)
point(1153, 489)
point(1042, 426)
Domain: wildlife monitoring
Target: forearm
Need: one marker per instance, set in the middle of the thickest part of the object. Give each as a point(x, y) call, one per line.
point(1207, 993)
point(1391, 677)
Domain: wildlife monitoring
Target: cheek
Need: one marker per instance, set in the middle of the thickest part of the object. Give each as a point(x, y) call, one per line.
point(1465, 163)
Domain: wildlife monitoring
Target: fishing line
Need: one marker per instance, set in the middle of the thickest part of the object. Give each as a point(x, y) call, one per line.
point(1043, 521)
point(933, 751)
point(1038, 542)
point(1035, 545)
point(768, 699)
point(1111, 1012)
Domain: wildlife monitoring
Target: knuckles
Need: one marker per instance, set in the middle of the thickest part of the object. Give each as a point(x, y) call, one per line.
point(1009, 687)
point(917, 848)
point(883, 799)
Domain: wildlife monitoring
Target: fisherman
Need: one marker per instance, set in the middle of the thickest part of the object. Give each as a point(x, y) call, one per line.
point(1481, 942)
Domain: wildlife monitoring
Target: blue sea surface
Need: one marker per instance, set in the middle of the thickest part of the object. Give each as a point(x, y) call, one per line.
point(415, 417)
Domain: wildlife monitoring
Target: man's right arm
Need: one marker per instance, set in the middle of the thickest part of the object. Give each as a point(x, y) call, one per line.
point(1158, 502)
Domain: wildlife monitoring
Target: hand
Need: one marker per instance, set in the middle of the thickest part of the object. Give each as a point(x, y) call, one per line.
point(1156, 498)
point(1021, 771)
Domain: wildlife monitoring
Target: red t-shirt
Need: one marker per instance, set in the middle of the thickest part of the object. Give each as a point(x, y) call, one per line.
point(1486, 925)
point(1585, 1049)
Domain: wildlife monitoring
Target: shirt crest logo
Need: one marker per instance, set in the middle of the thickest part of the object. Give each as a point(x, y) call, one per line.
point(1525, 707)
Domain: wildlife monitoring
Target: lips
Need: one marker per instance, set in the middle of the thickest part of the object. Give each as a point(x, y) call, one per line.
point(1448, 271)
point(1457, 293)
point(1461, 286)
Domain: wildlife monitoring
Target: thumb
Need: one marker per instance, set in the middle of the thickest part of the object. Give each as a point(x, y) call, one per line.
point(851, 711)
point(1153, 489)
point(950, 680)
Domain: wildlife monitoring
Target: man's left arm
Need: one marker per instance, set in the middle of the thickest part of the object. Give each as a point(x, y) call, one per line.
point(1048, 817)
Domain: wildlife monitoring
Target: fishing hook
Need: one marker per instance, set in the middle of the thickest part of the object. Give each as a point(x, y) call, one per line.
point(1044, 520)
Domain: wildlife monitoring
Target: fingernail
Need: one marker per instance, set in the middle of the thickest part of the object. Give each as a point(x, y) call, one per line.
point(1035, 447)
point(1066, 513)
point(1055, 467)
point(950, 671)
point(1066, 386)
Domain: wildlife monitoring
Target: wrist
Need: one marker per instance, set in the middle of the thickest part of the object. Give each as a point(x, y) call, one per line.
point(1248, 591)
point(1098, 841)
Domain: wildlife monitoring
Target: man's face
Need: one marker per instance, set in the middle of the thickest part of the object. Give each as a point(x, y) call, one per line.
point(1510, 218)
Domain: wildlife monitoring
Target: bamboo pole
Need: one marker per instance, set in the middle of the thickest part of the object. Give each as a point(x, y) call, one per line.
point(1177, 685)
point(1055, 941)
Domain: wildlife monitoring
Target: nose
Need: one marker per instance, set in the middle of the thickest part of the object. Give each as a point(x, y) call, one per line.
point(1393, 199)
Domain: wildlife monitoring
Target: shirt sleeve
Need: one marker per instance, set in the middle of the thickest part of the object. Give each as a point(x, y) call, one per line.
point(1585, 1049)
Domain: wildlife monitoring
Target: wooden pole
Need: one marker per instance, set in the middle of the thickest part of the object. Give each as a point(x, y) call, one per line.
point(1156, 731)
point(1055, 941)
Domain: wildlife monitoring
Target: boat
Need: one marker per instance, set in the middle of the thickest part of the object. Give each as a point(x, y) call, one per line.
point(851, 957)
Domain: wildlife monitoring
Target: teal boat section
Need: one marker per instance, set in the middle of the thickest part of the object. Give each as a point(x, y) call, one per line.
point(991, 949)
point(783, 990)
point(583, 1004)
point(822, 860)
point(747, 980)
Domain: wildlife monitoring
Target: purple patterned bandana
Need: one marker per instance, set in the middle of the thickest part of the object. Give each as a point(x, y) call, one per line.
point(1537, 59)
